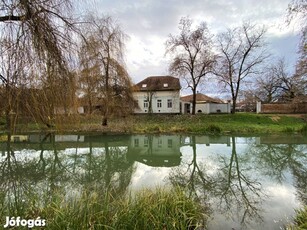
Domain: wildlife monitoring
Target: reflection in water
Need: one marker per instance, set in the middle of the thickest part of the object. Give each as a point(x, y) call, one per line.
point(276, 157)
point(236, 177)
point(157, 151)
point(35, 176)
point(238, 180)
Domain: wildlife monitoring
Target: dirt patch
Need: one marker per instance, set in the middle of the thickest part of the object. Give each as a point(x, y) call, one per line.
point(275, 118)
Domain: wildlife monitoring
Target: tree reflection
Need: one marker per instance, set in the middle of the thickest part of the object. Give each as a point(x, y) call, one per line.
point(231, 185)
point(109, 170)
point(30, 178)
point(276, 159)
point(234, 186)
point(193, 176)
point(231, 180)
point(13, 188)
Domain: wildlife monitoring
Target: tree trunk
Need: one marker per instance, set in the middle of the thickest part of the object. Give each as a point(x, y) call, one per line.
point(150, 94)
point(234, 103)
point(107, 99)
point(105, 121)
point(194, 102)
point(8, 108)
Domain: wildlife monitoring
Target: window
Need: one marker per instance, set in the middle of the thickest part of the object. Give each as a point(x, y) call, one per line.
point(145, 142)
point(170, 143)
point(144, 85)
point(169, 103)
point(159, 103)
point(165, 85)
point(145, 104)
point(159, 143)
point(136, 142)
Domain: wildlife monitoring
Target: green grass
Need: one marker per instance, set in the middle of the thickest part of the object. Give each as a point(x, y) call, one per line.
point(239, 123)
point(217, 124)
point(300, 220)
point(303, 129)
point(147, 209)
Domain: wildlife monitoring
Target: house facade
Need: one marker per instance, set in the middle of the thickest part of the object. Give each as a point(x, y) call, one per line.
point(204, 104)
point(157, 94)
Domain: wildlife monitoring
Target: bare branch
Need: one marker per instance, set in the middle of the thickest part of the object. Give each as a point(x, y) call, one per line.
point(192, 54)
point(241, 53)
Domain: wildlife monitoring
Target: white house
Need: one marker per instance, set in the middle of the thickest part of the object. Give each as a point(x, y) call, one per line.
point(157, 94)
point(204, 104)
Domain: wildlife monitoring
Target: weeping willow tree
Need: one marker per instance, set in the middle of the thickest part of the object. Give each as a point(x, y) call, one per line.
point(104, 79)
point(35, 74)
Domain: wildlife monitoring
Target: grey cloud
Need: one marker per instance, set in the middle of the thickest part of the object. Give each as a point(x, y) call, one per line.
point(147, 18)
point(154, 17)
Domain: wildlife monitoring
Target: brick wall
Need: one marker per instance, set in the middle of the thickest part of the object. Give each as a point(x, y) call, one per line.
point(283, 108)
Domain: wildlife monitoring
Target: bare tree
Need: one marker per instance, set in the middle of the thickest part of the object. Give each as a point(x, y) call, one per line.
point(241, 53)
point(297, 11)
point(192, 56)
point(104, 45)
point(290, 85)
point(268, 85)
point(277, 84)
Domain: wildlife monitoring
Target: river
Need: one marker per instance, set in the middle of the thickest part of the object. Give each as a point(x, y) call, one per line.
point(247, 182)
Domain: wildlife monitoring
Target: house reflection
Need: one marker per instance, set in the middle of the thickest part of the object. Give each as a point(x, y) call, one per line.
point(157, 151)
point(207, 140)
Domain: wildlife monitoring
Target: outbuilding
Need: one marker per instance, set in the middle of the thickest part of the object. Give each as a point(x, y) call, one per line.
point(204, 104)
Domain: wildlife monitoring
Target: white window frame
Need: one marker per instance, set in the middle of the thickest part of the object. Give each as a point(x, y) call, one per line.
point(159, 103)
point(159, 143)
point(146, 104)
point(136, 142)
point(146, 142)
point(169, 103)
point(170, 143)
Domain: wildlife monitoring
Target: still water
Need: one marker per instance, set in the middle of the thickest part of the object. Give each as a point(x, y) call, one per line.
point(247, 182)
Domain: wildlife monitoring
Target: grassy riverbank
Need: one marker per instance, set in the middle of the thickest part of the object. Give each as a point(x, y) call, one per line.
point(147, 209)
point(239, 123)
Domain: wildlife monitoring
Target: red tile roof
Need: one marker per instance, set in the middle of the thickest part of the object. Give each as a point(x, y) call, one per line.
point(158, 83)
point(201, 98)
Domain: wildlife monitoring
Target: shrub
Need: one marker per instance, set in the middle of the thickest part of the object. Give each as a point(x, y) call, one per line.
point(2, 121)
point(303, 129)
point(215, 129)
point(288, 130)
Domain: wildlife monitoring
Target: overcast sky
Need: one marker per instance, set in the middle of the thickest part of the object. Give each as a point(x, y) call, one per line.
point(149, 22)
